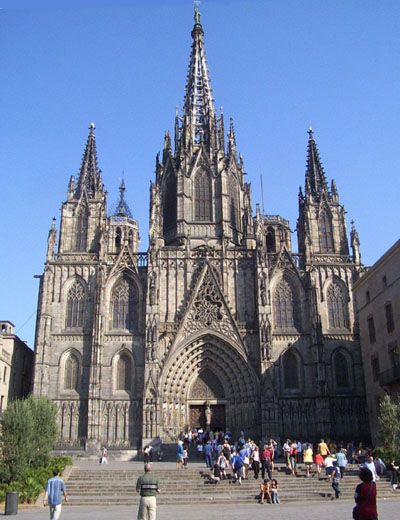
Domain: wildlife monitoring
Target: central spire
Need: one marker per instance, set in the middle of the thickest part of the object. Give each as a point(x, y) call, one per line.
point(198, 110)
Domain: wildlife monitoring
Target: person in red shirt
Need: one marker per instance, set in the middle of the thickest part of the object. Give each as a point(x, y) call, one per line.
point(365, 497)
point(319, 462)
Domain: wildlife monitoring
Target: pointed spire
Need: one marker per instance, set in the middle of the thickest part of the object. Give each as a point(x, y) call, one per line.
point(315, 175)
point(198, 105)
point(231, 139)
point(122, 208)
point(89, 176)
point(355, 244)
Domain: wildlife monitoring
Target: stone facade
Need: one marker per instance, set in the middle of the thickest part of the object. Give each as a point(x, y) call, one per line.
point(377, 297)
point(16, 364)
point(219, 314)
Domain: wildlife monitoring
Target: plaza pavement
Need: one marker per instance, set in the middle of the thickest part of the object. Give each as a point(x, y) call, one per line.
point(339, 510)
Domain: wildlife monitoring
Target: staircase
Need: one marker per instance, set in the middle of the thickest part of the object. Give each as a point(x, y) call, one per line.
point(114, 484)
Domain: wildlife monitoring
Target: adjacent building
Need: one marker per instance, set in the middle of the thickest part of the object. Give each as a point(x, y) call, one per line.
point(220, 320)
point(16, 364)
point(377, 297)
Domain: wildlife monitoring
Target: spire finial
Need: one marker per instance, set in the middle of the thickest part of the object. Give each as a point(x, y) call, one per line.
point(92, 127)
point(310, 132)
point(197, 11)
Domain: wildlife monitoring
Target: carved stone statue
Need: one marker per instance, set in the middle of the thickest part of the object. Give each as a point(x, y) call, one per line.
point(153, 288)
point(208, 414)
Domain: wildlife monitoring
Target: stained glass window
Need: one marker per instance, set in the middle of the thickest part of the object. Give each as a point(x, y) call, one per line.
point(124, 306)
point(202, 196)
point(75, 306)
point(337, 307)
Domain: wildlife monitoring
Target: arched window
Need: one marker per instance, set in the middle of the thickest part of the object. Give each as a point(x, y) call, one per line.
point(341, 367)
point(291, 371)
point(270, 240)
point(123, 303)
point(81, 231)
point(124, 373)
point(169, 206)
point(337, 307)
point(118, 239)
point(75, 307)
point(285, 306)
point(71, 373)
point(130, 239)
point(325, 232)
point(202, 196)
point(233, 202)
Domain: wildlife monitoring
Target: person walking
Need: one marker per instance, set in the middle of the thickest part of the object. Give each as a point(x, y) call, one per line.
point(365, 497)
point(54, 487)
point(179, 455)
point(342, 461)
point(104, 456)
point(147, 486)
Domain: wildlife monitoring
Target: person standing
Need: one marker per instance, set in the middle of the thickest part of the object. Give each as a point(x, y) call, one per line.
point(342, 461)
point(179, 455)
point(369, 464)
point(365, 497)
point(308, 459)
point(54, 487)
point(147, 486)
point(336, 479)
point(104, 456)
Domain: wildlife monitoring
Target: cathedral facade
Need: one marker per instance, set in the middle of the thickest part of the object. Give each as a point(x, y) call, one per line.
point(219, 321)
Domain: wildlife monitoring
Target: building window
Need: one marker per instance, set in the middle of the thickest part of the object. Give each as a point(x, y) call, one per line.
point(394, 354)
point(270, 240)
point(118, 239)
point(368, 296)
point(337, 307)
point(233, 202)
point(341, 371)
point(71, 373)
point(202, 196)
point(5, 374)
point(81, 231)
point(123, 303)
point(75, 306)
point(389, 317)
point(291, 371)
point(325, 232)
point(169, 207)
point(285, 307)
point(375, 367)
point(384, 281)
point(124, 373)
point(371, 329)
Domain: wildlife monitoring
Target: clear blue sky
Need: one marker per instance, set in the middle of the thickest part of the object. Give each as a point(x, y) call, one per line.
point(277, 66)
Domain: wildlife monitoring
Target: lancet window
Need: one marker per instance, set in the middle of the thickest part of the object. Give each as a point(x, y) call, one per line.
point(337, 307)
point(124, 373)
point(123, 304)
point(75, 306)
point(169, 207)
point(325, 232)
point(202, 197)
point(291, 371)
point(341, 371)
point(285, 307)
point(71, 373)
point(81, 231)
point(233, 202)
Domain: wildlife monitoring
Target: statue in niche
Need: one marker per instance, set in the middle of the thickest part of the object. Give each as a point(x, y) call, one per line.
point(266, 340)
point(208, 414)
point(263, 290)
point(153, 288)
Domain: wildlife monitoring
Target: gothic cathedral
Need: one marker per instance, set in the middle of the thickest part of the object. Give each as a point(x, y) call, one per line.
point(219, 318)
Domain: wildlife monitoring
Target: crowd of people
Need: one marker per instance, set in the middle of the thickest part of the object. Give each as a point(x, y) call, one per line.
point(226, 458)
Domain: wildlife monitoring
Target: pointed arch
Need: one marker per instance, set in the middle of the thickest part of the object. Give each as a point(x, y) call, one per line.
point(124, 305)
point(270, 240)
point(71, 372)
point(341, 371)
point(233, 202)
point(291, 370)
point(81, 229)
point(202, 196)
point(118, 239)
point(124, 373)
point(286, 310)
point(75, 310)
point(337, 302)
point(325, 232)
point(170, 202)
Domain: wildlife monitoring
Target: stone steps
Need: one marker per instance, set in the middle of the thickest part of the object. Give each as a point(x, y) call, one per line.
point(103, 485)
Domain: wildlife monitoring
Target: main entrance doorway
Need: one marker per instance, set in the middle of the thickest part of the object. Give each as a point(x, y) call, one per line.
point(198, 419)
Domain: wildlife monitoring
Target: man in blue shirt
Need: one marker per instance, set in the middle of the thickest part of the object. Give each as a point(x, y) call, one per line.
point(54, 487)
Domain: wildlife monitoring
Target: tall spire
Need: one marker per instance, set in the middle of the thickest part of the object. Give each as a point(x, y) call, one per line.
point(315, 175)
point(198, 110)
point(122, 208)
point(89, 175)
